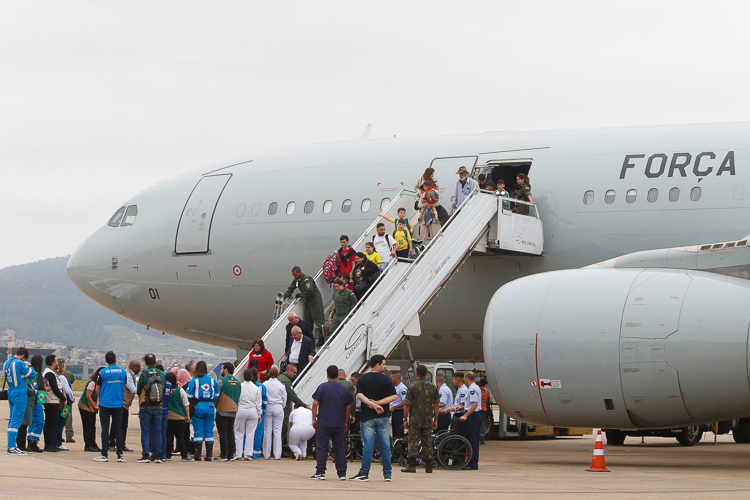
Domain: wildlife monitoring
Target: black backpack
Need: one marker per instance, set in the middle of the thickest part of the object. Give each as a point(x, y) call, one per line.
point(154, 388)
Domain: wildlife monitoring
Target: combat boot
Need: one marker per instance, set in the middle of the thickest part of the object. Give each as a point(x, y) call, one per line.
point(33, 446)
point(428, 466)
point(198, 451)
point(209, 451)
point(412, 467)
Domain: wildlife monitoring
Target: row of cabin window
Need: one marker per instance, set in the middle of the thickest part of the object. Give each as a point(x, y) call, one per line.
point(632, 194)
point(346, 206)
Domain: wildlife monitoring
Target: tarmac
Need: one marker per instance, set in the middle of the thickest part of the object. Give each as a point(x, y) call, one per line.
point(554, 468)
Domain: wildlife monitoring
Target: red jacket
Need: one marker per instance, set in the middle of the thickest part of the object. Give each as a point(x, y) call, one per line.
point(345, 262)
point(261, 361)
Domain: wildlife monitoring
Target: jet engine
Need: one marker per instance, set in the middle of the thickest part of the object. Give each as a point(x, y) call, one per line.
point(620, 348)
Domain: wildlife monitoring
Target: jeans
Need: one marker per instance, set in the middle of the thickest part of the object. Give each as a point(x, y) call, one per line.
point(116, 427)
point(151, 432)
point(376, 428)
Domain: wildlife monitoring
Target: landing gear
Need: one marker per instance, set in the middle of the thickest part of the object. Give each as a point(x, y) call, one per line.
point(690, 436)
point(615, 437)
point(741, 433)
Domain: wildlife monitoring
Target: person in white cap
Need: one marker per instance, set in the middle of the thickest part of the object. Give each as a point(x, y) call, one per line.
point(465, 188)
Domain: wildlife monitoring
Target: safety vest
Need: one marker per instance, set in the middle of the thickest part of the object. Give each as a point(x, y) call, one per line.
point(485, 395)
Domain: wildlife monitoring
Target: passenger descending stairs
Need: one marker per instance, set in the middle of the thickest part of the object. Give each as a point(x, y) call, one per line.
point(390, 311)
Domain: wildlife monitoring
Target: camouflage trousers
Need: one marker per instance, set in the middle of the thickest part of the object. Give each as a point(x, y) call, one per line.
point(420, 437)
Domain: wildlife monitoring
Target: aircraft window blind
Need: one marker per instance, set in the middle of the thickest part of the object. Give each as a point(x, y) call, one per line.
point(272, 208)
point(309, 207)
point(631, 195)
point(366, 204)
point(588, 197)
point(384, 203)
point(290, 207)
point(117, 218)
point(695, 194)
point(653, 195)
point(130, 214)
point(327, 206)
point(609, 197)
point(674, 194)
point(346, 206)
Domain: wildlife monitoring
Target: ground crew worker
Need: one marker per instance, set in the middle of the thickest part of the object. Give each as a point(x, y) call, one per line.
point(258, 441)
point(352, 391)
point(397, 406)
point(472, 418)
point(421, 410)
point(16, 372)
point(226, 411)
point(483, 412)
point(204, 391)
point(459, 399)
point(292, 399)
point(446, 403)
point(308, 290)
point(343, 303)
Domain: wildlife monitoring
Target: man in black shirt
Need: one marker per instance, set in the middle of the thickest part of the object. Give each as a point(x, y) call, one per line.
point(376, 391)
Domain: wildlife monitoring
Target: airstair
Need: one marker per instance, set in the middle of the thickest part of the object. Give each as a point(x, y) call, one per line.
point(389, 312)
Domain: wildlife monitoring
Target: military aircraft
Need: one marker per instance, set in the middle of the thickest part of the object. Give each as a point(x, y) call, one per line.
point(635, 339)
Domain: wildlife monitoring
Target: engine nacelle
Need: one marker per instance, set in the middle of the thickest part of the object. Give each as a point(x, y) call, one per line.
point(620, 348)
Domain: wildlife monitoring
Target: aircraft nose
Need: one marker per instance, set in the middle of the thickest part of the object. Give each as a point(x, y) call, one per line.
point(74, 264)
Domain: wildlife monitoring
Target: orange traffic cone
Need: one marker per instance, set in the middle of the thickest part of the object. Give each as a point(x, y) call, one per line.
point(597, 461)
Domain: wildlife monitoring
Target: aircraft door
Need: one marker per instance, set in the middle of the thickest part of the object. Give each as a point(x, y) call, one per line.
point(194, 227)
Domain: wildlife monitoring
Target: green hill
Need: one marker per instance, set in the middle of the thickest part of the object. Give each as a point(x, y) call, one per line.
point(39, 301)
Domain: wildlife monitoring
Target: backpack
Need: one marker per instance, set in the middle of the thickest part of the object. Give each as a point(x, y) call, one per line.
point(388, 242)
point(154, 388)
point(329, 269)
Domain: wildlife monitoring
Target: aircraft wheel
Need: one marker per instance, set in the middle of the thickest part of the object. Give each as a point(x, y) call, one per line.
point(690, 436)
point(454, 452)
point(741, 433)
point(615, 437)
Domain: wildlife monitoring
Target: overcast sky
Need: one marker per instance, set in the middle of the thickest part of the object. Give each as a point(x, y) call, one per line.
point(101, 99)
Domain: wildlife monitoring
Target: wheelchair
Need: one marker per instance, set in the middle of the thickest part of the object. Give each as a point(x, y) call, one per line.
point(451, 450)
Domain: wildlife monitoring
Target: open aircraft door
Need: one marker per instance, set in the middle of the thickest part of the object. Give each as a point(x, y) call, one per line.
point(194, 228)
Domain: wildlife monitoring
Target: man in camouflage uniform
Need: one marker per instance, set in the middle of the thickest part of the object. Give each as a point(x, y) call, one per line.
point(421, 410)
point(308, 290)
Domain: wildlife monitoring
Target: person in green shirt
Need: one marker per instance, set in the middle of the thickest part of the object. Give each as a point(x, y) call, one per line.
point(343, 303)
point(226, 411)
point(308, 290)
point(292, 399)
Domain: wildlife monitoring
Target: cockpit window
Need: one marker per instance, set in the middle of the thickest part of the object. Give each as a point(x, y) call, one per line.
point(130, 215)
point(117, 218)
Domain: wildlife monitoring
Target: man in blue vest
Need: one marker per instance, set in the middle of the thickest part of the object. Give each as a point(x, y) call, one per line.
point(15, 372)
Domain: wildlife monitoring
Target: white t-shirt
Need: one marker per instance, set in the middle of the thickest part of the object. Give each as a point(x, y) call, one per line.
point(384, 246)
point(301, 416)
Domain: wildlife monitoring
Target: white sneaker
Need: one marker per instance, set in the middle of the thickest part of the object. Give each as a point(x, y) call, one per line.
point(16, 451)
point(62, 448)
point(101, 458)
point(121, 459)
